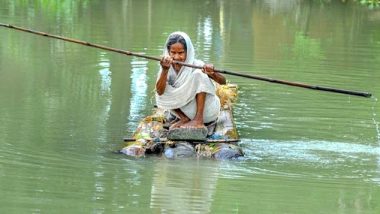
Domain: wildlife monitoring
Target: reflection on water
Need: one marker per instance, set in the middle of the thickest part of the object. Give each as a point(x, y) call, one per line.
point(184, 186)
point(139, 90)
point(375, 121)
point(105, 91)
point(377, 126)
point(99, 185)
point(280, 6)
point(105, 73)
point(105, 83)
point(205, 33)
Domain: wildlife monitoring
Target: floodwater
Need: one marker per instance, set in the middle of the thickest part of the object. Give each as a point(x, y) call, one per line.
point(64, 108)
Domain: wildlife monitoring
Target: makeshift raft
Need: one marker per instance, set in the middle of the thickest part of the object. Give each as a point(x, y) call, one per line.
point(218, 141)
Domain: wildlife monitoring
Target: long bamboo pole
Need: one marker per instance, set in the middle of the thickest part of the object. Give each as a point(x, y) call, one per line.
point(250, 76)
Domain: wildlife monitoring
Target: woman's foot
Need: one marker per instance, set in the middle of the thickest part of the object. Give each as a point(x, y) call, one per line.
point(179, 123)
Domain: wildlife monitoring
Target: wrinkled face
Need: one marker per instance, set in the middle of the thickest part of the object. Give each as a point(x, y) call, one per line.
point(178, 53)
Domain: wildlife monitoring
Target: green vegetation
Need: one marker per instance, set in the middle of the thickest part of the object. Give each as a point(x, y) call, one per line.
point(370, 3)
point(306, 48)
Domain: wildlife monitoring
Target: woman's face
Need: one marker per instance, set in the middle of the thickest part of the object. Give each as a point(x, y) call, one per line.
point(178, 53)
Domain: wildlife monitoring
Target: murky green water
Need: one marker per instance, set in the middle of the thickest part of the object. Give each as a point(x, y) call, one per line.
point(64, 107)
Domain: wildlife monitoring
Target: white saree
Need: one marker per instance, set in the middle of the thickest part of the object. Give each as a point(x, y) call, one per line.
point(181, 89)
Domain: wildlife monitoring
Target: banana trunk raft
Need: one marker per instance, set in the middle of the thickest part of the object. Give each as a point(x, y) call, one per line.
point(217, 141)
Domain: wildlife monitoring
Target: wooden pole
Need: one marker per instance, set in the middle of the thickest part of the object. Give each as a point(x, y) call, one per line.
point(129, 53)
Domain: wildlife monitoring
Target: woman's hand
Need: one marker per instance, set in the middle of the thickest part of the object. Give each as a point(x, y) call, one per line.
point(208, 69)
point(166, 62)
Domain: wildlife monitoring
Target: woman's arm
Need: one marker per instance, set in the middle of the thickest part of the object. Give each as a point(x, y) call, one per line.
point(165, 62)
point(161, 83)
point(217, 77)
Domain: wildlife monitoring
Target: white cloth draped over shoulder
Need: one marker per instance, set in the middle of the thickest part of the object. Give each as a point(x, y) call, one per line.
point(181, 88)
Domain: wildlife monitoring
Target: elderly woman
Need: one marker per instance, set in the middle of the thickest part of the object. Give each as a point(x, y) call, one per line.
point(187, 92)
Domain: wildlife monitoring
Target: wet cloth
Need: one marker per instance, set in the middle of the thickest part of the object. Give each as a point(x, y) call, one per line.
point(181, 88)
